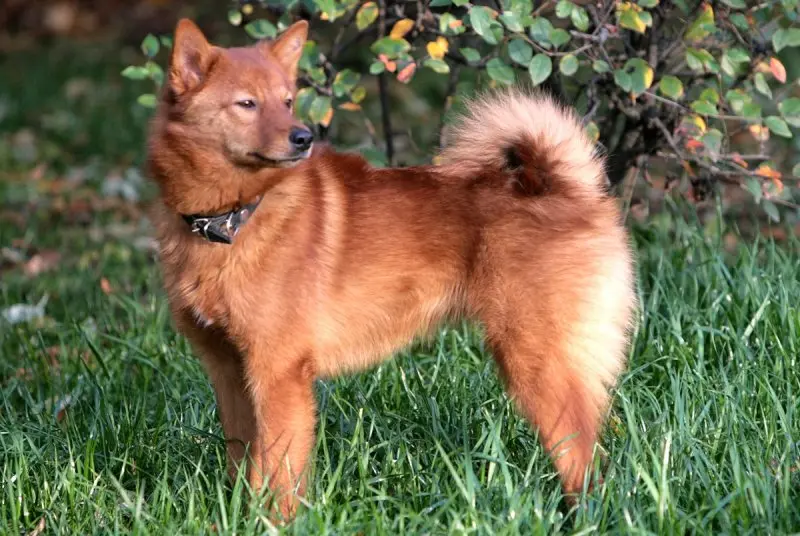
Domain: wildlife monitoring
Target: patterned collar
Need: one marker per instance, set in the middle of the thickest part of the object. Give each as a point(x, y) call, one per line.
point(221, 228)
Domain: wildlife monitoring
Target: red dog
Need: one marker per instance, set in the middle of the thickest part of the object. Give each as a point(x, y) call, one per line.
point(282, 266)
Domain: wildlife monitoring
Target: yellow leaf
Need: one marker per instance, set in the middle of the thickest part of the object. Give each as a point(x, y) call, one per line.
point(247, 9)
point(401, 28)
point(350, 106)
point(437, 49)
point(697, 120)
point(759, 132)
point(648, 77)
point(324, 16)
point(327, 119)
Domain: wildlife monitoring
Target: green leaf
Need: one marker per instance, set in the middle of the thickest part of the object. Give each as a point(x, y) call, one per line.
point(735, 4)
point(710, 94)
point(704, 107)
point(148, 100)
point(366, 15)
point(600, 66)
point(568, 65)
point(559, 37)
point(303, 101)
point(261, 29)
point(511, 21)
point(155, 72)
point(310, 57)
point(500, 72)
point(796, 170)
point(786, 37)
point(641, 75)
point(772, 210)
point(438, 66)
point(440, 3)
point(622, 79)
point(632, 20)
point(740, 21)
point(520, 51)
point(701, 60)
point(136, 73)
point(762, 85)
point(703, 25)
point(648, 3)
point(450, 25)
point(540, 31)
point(358, 94)
point(150, 45)
point(390, 46)
point(480, 18)
point(712, 140)
point(166, 41)
point(790, 110)
point(751, 110)
point(778, 126)
point(376, 67)
point(470, 54)
point(670, 86)
point(319, 108)
point(580, 18)
point(235, 17)
point(753, 185)
point(540, 68)
point(564, 9)
point(344, 82)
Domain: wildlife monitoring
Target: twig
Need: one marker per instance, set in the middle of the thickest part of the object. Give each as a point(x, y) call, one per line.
point(384, 90)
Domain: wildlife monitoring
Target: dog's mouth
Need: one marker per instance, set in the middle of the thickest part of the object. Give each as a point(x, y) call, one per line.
point(280, 162)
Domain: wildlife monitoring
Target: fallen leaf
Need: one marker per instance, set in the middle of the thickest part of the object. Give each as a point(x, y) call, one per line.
point(22, 312)
point(42, 262)
point(38, 529)
point(105, 286)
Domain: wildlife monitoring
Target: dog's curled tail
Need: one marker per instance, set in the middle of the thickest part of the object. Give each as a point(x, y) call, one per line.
point(538, 143)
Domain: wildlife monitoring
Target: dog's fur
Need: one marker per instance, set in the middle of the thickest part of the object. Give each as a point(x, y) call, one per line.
point(343, 264)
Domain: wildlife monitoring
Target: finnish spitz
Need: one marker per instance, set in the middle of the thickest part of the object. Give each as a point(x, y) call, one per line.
point(285, 262)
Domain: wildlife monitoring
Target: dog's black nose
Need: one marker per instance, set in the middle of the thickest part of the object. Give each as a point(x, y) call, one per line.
point(301, 138)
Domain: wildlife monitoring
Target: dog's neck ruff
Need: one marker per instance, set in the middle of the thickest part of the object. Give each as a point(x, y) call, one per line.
point(221, 228)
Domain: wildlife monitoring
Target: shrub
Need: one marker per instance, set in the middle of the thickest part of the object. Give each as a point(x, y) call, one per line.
point(699, 88)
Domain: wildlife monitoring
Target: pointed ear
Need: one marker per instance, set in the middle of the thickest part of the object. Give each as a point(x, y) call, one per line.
point(191, 55)
point(288, 47)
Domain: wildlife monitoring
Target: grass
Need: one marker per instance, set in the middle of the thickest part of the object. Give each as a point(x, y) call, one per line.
point(108, 424)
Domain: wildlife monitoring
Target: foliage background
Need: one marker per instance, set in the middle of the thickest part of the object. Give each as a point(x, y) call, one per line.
point(107, 423)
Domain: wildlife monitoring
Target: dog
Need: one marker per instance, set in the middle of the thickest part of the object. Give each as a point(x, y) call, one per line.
point(285, 262)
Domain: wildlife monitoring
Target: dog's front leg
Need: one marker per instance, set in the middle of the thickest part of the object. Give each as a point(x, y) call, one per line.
point(285, 408)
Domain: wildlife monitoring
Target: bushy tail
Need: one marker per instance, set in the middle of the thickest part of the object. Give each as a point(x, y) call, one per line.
point(532, 138)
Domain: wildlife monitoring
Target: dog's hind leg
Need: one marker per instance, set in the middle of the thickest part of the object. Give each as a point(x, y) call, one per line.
point(560, 345)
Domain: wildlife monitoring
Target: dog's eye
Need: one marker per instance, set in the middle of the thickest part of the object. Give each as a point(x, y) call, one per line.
point(247, 104)
point(288, 102)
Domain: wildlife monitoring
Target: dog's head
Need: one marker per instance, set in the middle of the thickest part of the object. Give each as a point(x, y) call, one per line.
point(239, 100)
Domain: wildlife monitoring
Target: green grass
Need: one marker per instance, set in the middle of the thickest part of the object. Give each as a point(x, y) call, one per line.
point(108, 424)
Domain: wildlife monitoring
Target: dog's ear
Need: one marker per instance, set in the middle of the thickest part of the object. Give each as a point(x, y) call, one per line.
point(191, 57)
point(288, 47)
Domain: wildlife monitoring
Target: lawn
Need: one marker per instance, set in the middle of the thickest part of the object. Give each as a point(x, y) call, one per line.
point(108, 424)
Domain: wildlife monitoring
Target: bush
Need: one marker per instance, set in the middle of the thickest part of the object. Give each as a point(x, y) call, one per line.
point(700, 89)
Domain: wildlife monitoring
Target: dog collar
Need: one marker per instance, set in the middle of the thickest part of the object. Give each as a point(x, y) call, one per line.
point(220, 228)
